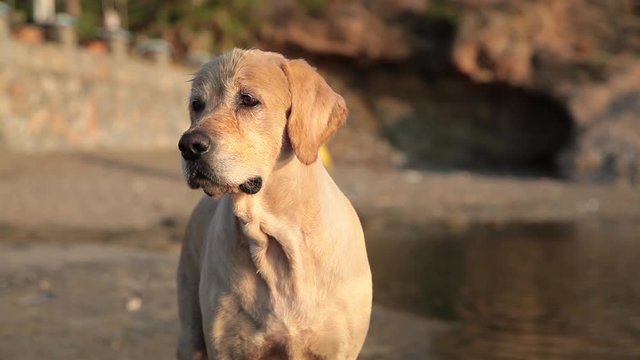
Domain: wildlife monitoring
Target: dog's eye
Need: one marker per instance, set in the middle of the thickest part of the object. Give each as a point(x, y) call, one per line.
point(197, 105)
point(248, 100)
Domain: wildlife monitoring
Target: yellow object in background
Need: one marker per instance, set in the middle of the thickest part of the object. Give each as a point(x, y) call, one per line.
point(325, 157)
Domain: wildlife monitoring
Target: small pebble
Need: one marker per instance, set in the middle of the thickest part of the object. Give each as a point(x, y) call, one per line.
point(134, 304)
point(412, 176)
point(44, 285)
point(588, 206)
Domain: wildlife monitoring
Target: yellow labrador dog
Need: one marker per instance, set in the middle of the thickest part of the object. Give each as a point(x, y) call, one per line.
point(274, 264)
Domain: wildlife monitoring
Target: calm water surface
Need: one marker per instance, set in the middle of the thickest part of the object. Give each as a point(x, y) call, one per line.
point(535, 291)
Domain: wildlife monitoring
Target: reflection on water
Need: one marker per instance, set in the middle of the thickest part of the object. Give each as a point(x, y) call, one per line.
point(516, 292)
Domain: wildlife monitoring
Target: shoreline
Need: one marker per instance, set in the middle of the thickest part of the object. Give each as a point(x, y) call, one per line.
point(140, 191)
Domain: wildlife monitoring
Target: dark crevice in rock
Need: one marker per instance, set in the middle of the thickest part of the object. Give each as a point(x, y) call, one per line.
point(481, 126)
point(447, 121)
point(435, 116)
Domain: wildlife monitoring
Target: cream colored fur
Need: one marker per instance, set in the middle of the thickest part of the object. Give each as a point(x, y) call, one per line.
point(283, 273)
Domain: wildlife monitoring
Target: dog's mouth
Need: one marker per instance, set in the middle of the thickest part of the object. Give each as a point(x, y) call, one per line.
point(199, 177)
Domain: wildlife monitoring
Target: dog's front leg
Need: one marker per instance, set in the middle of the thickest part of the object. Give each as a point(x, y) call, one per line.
point(191, 344)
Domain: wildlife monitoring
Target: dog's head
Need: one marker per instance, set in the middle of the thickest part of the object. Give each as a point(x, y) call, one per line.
point(250, 110)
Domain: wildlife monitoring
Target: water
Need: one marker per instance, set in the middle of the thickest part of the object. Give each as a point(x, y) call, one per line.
point(528, 291)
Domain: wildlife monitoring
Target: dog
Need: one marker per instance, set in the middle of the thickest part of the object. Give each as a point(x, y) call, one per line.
point(273, 264)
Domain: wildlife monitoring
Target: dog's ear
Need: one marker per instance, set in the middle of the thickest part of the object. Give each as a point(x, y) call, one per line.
point(316, 110)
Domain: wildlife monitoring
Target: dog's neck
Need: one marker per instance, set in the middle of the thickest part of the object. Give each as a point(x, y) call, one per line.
point(278, 219)
point(289, 187)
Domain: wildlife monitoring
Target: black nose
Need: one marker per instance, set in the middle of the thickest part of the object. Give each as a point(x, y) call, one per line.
point(193, 145)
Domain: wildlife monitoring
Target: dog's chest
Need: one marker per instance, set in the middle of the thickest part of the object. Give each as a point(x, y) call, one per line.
point(270, 319)
point(265, 291)
point(285, 331)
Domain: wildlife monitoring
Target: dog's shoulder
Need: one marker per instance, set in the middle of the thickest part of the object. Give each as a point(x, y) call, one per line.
point(198, 224)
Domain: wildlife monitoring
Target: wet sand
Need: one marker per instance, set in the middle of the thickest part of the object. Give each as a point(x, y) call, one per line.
point(130, 190)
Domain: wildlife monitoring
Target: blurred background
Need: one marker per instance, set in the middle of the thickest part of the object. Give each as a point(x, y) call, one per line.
point(492, 152)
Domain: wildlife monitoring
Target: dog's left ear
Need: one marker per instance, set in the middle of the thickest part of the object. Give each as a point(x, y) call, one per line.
point(316, 110)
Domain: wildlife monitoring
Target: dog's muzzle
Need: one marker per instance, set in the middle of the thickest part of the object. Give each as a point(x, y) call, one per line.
point(252, 185)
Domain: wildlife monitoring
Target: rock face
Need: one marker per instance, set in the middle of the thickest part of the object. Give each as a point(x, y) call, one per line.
point(345, 29)
point(577, 54)
point(608, 117)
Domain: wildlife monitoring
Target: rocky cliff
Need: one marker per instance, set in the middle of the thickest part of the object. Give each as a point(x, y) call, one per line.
point(584, 54)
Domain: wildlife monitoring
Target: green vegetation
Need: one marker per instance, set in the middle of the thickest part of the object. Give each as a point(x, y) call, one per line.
point(313, 7)
point(89, 21)
point(440, 12)
point(229, 22)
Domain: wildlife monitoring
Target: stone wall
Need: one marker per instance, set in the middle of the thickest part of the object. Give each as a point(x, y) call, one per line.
point(58, 96)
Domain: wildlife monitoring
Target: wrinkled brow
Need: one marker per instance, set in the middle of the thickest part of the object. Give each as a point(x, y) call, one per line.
point(214, 77)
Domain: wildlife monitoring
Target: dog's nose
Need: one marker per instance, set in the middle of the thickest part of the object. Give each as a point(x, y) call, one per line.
point(193, 145)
